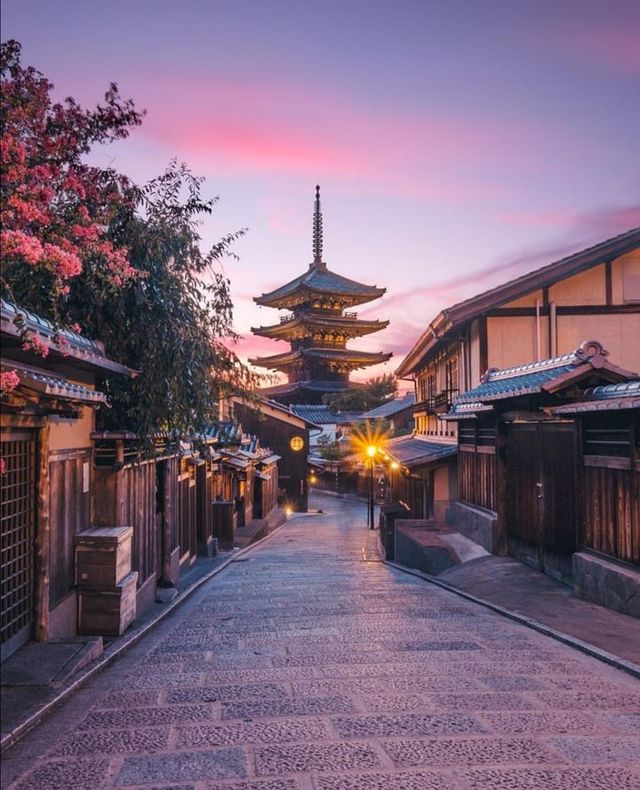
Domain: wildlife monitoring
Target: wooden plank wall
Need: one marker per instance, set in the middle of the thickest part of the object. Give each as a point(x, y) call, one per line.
point(187, 509)
point(139, 511)
point(69, 513)
point(477, 477)
point(611, 512)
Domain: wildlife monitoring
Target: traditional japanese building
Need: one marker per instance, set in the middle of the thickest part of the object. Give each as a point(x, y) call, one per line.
point(317, 329)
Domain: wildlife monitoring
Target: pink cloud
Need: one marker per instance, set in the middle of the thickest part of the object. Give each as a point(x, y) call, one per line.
point(289, 129)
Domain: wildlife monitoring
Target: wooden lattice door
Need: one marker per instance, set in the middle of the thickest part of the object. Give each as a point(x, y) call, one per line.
point(18, 497)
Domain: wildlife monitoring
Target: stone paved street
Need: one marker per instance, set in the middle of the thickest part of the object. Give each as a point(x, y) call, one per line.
point(308, 664)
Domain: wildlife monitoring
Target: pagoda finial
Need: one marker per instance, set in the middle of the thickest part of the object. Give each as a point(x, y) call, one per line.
point(317, 232)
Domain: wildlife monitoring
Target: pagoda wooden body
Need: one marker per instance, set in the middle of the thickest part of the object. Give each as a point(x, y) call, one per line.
point(319, 325)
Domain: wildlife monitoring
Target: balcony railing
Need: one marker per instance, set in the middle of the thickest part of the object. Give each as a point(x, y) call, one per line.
point(438, 403)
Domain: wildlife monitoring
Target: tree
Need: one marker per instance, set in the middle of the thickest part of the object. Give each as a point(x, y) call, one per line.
point(88, 249)
point(375, 392)
point(173, 322)
point(55, 208)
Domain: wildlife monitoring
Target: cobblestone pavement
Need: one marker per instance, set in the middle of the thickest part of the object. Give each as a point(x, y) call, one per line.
point(308, 664)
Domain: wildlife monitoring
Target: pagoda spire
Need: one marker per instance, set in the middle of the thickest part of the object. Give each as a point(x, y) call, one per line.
point(317, 234)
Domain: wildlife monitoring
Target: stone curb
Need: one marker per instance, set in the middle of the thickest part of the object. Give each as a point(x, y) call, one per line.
point(121, 646)
point(572, 641)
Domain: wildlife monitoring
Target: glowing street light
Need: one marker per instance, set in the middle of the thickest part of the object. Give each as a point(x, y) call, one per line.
point(371, 452)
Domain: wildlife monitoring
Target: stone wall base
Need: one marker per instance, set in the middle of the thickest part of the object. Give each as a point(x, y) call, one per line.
point(607, 583)
point(476, 524)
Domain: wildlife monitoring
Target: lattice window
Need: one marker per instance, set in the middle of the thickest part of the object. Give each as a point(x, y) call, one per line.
point(17, 494)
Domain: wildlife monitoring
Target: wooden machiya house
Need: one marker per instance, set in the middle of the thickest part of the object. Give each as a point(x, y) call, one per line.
point(46, 448)
point(549, 461)
point(542, 314)
point(287, 434)
point(74, 497)
point(317, 329)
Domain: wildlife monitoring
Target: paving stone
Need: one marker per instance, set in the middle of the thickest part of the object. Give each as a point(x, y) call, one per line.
point(486, 701)
point(315, 757)
point(215, 693)
point(406, 724)
point(470, 751)
point(224, 676)
point(393, 702)
point(279, 731)
point(150, 680)
point(194, 766)
point(516, 683)
point(129, 699)
point(540, 722)
point(421, 780)
point(551, 779)
point(614, 750)
point(285, 707)
point(623, 723)
point(439, 645)
point(259, 784)
point(621, 701)
point(170, 714)
point(74, 774)
point(110, 741)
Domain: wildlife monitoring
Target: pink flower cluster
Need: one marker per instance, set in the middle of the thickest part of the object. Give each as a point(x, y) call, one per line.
point(16, 243)
point(33, 343)
point(9, 380)
point(63, 263)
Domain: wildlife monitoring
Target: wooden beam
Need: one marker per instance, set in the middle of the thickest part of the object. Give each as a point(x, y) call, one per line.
point(608, 286)
point(484, 351)
point(42, 538)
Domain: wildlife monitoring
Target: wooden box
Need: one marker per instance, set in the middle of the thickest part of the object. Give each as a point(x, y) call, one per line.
point(103, 556)
point(107, 611)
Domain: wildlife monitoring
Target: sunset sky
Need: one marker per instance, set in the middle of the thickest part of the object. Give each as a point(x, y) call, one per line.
point(458, 144)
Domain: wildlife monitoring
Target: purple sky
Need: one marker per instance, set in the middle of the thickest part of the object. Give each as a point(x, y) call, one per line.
point(457, 144)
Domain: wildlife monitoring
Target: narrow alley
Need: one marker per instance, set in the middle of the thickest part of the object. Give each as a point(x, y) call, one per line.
point(308, 664)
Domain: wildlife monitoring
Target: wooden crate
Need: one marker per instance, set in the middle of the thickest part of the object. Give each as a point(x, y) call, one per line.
point(107, 611)
point(103, 556)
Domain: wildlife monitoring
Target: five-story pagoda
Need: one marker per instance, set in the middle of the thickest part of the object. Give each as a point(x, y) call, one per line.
point(317, 329)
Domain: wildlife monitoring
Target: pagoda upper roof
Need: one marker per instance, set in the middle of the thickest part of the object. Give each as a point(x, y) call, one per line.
point(355, 359)
point(322, 281)
point(350, 325)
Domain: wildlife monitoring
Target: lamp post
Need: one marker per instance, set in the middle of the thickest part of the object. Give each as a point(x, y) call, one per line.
point(371, 452)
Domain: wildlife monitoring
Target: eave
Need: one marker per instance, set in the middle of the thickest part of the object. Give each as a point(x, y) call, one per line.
point(351, 327)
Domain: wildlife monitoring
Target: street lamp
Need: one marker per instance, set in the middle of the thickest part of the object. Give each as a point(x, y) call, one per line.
point(371, 452)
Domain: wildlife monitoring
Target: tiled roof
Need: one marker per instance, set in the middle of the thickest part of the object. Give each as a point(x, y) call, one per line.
point(413, 451)
point(344, 355)
point(609, 397)
point(77, 348)
point(321, 415)
point(322, 280)
point(55, 386)
point(530, 378)
point(391, 407)
point(465, 411)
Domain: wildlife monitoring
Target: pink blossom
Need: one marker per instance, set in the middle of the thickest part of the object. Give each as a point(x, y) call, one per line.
point(64, 264)
point(21, 245)
point(9, 380)
point(3, 466)
point(33, 343)
point(76, 328)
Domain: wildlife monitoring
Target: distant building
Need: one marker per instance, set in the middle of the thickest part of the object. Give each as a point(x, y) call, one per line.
point(397, 412)
point(317, 330)
point(332, 426)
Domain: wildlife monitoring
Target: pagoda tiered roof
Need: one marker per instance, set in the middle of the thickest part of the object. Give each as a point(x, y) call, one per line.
point(318, 329)
point(334, 358)
point(320, 282)
point(305, 324)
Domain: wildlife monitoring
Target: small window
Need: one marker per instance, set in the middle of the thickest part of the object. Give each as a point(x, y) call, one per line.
point(296, 443)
